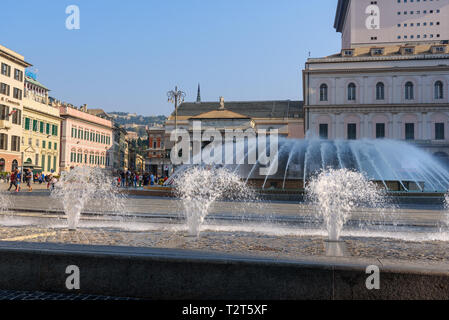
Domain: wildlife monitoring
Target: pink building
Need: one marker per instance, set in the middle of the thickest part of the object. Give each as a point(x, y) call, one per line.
point(86, 140)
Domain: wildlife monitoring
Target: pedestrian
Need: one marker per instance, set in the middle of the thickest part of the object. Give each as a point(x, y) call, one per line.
point(13, 182)
point(18, 180)
point(28, 177)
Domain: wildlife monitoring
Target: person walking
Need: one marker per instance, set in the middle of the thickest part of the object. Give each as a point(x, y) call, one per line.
point(28, 177)
point(12, 179)
point(19, 177)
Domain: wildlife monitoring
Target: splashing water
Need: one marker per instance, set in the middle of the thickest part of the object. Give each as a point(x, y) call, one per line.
point(200, 187)
point(337, 192)
point(87, 186)
point(5, 202)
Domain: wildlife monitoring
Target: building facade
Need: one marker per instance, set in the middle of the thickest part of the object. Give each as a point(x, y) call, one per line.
point(86, 140)
point(120, 153)
point(12, 75)
point(373, 23)
point(41, 129)
point(396, 91)
point(158, 159)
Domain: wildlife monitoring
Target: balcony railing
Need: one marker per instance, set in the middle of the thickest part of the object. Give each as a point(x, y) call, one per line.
point(5, 124)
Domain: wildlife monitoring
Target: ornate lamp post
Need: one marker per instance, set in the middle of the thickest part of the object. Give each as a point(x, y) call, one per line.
point(177, 97)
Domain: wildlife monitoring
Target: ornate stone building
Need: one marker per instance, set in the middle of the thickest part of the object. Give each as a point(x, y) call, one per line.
point(395, 91)
point(41, 128)
point(12, 77)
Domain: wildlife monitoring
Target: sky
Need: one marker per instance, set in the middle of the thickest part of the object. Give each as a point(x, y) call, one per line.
point(127, 55)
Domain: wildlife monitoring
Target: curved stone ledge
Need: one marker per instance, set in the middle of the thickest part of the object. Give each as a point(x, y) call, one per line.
point(178, 274)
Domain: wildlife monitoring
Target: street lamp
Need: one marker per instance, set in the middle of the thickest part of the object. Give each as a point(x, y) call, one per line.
point(177, 97)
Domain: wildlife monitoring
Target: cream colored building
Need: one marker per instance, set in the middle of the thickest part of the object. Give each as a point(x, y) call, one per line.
point(41, 129)
point(12, 75)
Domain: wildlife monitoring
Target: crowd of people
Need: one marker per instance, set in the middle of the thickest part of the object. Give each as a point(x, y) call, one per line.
point(131, 179)
point(15, 179)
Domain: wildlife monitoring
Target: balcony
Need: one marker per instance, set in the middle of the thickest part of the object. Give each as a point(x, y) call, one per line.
point(5, 124)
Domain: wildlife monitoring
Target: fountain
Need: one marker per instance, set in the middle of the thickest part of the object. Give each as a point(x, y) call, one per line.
point(395, 165)
point(83, 185)
point(336, 193)
point(199, 187)
point(5, 202)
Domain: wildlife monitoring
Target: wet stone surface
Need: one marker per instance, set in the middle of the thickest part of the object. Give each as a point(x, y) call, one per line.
point(251, 244)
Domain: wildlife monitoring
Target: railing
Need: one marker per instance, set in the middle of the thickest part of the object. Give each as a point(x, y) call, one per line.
point(5, 124)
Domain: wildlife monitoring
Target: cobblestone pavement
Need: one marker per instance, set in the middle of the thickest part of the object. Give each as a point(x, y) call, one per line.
point(247, 243)
point(8, 295)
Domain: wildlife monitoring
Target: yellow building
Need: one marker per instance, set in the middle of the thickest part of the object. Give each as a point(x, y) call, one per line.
point(12, 69)
point(41, 129)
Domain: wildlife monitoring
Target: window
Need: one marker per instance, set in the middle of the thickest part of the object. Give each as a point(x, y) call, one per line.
point(4, 112)
point(352, 131)
point(6, 70)
point(4, 89)
point(35, 125)
point(41, 127)
point(49, 144)
point(324, 131)
point(54, 163)
point(380, 130)
point(54, 130)
point(18, 75)
point(409, 91)
point(43, 163)
point(56, 146)
point(323, 92)
point(3, 141)
point(17, 116)
point(44, 144)
point(409, 131)
point(439, 131)
point(49, 163)
point(380, 91)
point(351, 92)
point(17, 94)
point(439, 90)
point(47, 128)
point(73, 132)
point(15, 143)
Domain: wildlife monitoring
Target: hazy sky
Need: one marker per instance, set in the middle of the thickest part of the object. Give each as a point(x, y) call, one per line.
point(128, 54)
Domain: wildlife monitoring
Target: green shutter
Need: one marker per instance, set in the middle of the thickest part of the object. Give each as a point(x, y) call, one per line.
point(27, 123)
point(43, 162)
point(41, 127)
point(48, 128)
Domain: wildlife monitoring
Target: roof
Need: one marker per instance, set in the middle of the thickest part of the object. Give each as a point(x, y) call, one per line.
point(391, 52)
point(36, 83)
point(247, 109)
point(220, 114)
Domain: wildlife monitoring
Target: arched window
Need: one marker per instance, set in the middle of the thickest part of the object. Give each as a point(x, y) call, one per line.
point(380, 91)
point(323, 92)
point(409, 91)
point(15, 165)
point(439, 90)
point(351, 92)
